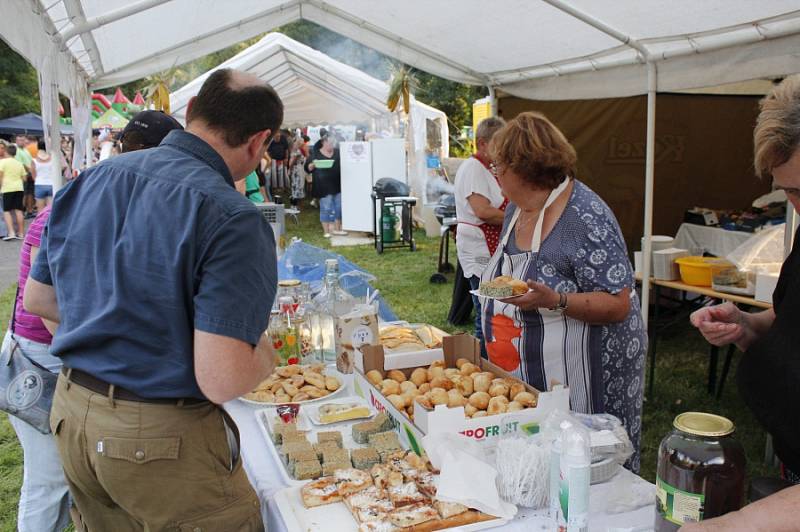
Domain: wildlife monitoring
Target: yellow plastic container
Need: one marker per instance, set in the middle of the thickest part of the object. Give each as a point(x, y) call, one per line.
point(699, 271)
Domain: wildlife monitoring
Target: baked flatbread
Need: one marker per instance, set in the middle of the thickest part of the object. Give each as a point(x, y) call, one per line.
point(406, 494)
point(413, 514)
point(320, 492)
point(449, 509)
point(351, 480)
point(426, 482)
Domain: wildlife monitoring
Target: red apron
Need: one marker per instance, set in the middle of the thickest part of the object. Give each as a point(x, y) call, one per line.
point(490, 232)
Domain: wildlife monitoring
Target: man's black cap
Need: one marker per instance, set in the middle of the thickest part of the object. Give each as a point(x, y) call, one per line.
point(152, 127)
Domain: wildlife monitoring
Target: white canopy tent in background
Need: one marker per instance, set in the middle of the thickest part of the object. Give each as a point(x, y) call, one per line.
point(548, 49)
point(316, 88)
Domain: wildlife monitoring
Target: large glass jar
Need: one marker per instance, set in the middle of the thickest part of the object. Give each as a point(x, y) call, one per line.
point(701, 471)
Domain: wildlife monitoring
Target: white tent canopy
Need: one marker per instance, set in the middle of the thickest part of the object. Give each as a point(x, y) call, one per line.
point(315, 88)
point(530, 48)
point(547, 49)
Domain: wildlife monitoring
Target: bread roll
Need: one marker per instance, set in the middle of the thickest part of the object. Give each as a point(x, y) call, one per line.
point(469, 368)
point(301, 396)
point(481, 382)
point(514, 406)
point(498, 405)
point(526, 399)
point(437, 364)
point(317, 379)
point(435, 372)
point(424, 401)
point(479, 413)
point(479, 400)
point(290, 389)
point(390, 387)
point(407, 386)
point(419, 376)
point(374, 377)
point(454, 398)
point(469, 410)
point(460, 362)
point(442, 382)
point(438, 396)
point(332, 383)
point(398, 401)
point(396, 375)
point(498, 389)
point(515, 388)
point(451, 372)
point(464, 384)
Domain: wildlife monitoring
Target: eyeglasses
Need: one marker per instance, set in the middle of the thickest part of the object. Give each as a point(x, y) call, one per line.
point(495, 169)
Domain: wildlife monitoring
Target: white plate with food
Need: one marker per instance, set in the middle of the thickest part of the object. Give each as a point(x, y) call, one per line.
point(343, 409)
point(299, 383)
point(478, 293)
point(503, 287)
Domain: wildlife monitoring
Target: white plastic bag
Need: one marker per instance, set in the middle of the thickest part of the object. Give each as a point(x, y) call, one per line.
point(761, 253)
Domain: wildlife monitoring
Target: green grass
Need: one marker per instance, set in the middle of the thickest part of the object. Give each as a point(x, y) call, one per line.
point(681, 367)
point(10, 451)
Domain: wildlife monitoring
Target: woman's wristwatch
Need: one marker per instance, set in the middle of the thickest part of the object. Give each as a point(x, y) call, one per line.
point(561, 306)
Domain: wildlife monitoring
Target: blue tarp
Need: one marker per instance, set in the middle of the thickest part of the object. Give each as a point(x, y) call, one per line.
point(307, 263)
point(27, 124)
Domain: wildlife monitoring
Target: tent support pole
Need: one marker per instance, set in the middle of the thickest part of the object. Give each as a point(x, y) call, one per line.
point(652, 83)
point(492, 100)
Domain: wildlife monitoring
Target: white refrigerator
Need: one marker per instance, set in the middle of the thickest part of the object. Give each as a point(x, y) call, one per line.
point(362, 164)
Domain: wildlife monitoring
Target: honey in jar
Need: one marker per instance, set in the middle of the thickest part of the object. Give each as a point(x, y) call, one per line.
point(701, 471)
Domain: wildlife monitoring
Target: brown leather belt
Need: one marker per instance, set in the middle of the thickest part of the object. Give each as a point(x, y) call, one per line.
point(100, 386)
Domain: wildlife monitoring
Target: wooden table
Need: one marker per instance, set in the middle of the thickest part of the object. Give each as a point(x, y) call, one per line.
point(689, 307)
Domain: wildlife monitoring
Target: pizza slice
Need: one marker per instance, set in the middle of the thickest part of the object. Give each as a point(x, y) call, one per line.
point(351, 480)
point(370, 496)
point(384, 476)
point(449, 509)
point(426, 482)
point(320, 492)
point(406, 494)
point(413, 514)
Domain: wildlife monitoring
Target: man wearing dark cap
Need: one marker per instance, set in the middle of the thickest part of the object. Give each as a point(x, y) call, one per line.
point(146, 130)
point(162, 299)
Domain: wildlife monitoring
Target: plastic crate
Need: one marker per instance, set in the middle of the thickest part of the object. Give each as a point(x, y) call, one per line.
point(274, 213)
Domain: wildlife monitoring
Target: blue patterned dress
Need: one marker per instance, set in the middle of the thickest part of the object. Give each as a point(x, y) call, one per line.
point(602, 364)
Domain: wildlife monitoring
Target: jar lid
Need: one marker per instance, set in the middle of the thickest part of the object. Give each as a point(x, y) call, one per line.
point(703, 424)
point(288, 283)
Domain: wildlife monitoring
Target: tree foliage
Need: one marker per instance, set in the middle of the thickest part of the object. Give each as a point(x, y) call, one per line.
point(19, 85)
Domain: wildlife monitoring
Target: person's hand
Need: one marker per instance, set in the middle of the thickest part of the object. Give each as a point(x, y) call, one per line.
point(721, 324)
point(539, 296)
point(311, 166)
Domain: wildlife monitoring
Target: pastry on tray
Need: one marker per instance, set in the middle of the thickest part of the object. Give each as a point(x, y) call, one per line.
point(503, 286)
point(406, 494)
point(413, 514)
point(319, 492)
point(449, 509)
point(351, 480)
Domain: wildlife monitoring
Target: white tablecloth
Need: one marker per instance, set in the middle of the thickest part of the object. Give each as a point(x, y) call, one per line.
point(714, 240)
point(265, 476)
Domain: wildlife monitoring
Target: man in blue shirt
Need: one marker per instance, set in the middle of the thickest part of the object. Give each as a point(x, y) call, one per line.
point(161, 277)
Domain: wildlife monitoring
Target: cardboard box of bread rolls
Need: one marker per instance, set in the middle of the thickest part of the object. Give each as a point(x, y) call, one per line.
point(412, 421)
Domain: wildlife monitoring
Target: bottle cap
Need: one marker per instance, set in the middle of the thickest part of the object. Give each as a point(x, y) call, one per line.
point(703, 424)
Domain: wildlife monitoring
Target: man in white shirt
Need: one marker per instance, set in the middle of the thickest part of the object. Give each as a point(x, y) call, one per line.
point(480, 209)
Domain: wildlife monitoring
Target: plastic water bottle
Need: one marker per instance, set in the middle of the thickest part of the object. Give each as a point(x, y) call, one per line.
point(574, 479)
point(555, 476)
